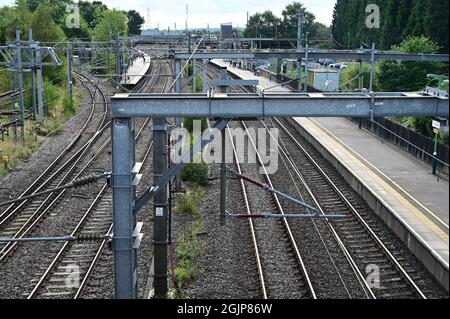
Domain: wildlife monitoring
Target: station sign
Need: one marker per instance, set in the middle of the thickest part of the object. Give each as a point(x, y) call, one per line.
point(436, 124)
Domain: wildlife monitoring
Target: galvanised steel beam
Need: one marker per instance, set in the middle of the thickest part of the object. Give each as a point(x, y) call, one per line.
point(9, 61)
point(353, 55)
point(259, 39)
point(279, 105)
point(215, 55)
point(124, 218)
point(234, 82)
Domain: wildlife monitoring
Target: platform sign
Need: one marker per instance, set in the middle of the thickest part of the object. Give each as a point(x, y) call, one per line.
point(436, 124)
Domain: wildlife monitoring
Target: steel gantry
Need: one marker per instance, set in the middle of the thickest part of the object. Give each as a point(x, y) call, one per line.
point(28, 57)
point(370, 55)
point(363, 54)
point(125, 107)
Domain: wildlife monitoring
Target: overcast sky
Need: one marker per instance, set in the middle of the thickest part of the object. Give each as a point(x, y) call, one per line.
point(166, 13)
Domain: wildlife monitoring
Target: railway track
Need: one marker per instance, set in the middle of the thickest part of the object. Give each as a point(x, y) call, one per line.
point(295, 282)
point(18, 219)
point(69, 273)
point(357, 233)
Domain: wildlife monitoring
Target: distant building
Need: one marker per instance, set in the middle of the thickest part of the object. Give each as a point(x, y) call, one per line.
point(157, 32)
point(226, 30)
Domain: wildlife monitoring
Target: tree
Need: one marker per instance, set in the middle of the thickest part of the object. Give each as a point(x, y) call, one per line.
point(415, 25)
point(112, 21)
point(92, 12)
point(408, 76)
point(58, 7)
point(400, 19)
point(404, 11)
point(267, 25)
point(15, 17)
point(337, 24)
point(290, 20)
point(83, 32)
point(44, 28)
point(390, 33)
point(436, 22)
point(135, 22)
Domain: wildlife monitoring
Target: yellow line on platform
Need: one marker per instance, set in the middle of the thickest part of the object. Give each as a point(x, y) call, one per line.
point(337, 148)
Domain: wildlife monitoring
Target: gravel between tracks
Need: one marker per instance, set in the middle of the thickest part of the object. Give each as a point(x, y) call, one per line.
point(226, 267)
point(19, 270)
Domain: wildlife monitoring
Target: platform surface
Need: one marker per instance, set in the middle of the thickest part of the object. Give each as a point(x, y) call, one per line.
point(264, 83)
point(405, 184)
point(136, 70)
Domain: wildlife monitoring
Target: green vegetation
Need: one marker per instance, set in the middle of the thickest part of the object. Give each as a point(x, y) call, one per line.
point(349, 77)
point(267, 25)
point(188, 248)
point(5, 83)
point(198, 84)
point(408, 76)
point(195, 173)
point(17, 152)
point(112, 21)
point(188, 123)
point(48, 18)
point(59, 109)
point(189, 203)
point(399, 20)
point(135, 21)
point(43, 25)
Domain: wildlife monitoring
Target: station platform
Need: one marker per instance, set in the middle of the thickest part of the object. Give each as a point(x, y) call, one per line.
point(264, 83)
point(136, 70)
point(398, 187)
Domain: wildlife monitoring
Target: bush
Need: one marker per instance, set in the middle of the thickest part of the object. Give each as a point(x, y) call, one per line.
point(51, 96)
point(184, 275)
point(189, 203)
point(188, 249)
point(196, 173)
point(68, 104)
point(5, 84)
point(351, 73)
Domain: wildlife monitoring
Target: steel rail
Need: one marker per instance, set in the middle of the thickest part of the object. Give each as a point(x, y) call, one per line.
point(91, 210)
point(358, 216)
